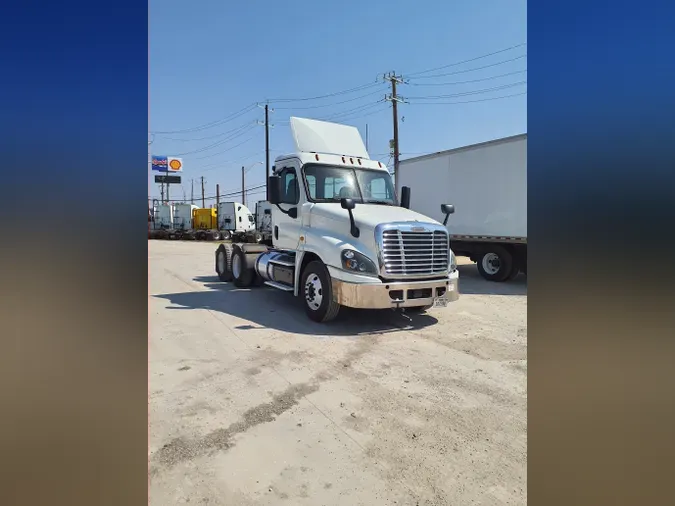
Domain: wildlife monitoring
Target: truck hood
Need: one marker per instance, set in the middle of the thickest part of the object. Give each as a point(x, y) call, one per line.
point(369, 215)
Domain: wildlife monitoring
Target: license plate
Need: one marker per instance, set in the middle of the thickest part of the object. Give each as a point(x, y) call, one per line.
point(441, 301)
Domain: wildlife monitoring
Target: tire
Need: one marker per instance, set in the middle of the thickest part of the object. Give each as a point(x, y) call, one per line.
point(227, 235)
point(243, 276)
point(418, 309)
point(258, 237)
point(513, 274)
point(496, 264)
point(224, 262)
point(316, 292)
point(199, 236)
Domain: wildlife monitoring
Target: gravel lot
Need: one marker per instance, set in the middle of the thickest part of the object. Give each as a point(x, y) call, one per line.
point(253, 404)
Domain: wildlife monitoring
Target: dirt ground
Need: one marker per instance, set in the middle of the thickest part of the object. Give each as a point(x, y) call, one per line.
point(251, 403)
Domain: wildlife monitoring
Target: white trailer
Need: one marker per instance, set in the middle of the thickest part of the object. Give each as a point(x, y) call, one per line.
point(487, 185)
point(163, 217)
point(182, 216)
point(340, 236)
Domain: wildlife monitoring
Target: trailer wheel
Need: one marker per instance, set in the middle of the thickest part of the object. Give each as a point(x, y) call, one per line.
point(496, 264)
point(316, 291)
point(227, 235)
point(224, 262)
point(242, 275)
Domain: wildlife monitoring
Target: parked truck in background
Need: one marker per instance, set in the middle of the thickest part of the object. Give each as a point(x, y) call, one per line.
point(340, 236)
point(235, 222)
point(487, 183)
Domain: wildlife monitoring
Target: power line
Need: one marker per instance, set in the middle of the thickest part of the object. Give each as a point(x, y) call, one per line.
point(346, 112)
point(231, 194)
point(471, 70)
point(466, 61)
point(218, 143)
point(465, 93)
point(207, 137)
point(212, 124)
point(468, 101)
point(335, 103)
point(344, 92)
point(225, 150)
point(470, 81)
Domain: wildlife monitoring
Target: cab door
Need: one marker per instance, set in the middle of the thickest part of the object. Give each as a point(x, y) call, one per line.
point(286, 230)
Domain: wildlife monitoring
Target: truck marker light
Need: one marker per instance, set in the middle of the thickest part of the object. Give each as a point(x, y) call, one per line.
point(351, 160)
point(317, 157)
point(359, 160)
point(379, 165)
point(343, 160)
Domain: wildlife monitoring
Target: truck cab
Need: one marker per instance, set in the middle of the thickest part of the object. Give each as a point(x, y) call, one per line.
point(340, 236)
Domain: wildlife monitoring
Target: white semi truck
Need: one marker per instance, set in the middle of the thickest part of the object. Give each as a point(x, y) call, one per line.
point(339, 235)
point(488, 184)
point(235, 222)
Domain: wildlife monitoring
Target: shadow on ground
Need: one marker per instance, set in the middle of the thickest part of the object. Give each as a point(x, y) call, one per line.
point(266, 307)
point(471, 282)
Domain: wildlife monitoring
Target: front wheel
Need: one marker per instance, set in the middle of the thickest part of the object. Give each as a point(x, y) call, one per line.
point(316, 291)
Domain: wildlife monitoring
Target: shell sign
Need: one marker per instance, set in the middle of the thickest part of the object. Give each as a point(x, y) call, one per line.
point(175, 164)
point(167, 164)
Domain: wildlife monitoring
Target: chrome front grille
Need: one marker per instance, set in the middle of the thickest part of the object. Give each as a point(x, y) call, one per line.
point(413, 252)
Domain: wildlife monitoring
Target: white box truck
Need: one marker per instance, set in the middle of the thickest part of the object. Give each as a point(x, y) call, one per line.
point(487, 185)
point(340, 236)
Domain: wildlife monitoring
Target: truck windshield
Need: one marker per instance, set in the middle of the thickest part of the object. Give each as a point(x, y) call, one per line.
point(328, 183)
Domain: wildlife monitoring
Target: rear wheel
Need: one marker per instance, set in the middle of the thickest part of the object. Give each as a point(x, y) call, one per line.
point(224, 262)
point(496, 264)
point(243, 276)
point(316, 291)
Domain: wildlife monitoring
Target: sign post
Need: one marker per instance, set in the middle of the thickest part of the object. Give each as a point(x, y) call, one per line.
point(167, 165)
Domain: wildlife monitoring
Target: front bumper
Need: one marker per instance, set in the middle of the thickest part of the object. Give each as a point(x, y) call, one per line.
point(379, 295)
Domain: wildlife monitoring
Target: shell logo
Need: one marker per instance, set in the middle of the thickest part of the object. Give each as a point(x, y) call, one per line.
point(175, 164)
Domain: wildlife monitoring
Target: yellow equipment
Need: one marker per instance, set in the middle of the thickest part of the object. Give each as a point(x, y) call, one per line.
point(205, 219)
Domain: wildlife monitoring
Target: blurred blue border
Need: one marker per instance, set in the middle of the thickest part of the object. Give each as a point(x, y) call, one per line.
point(75, 105)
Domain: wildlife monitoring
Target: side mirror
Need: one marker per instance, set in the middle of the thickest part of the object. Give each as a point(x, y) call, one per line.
point(274, 189)
point(447, 210)
point(405, 197)
point(347, 204)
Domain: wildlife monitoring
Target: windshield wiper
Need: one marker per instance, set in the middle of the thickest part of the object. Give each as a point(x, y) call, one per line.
point(381, 202)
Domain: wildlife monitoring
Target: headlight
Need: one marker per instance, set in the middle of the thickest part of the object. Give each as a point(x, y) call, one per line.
point(453, 262)
point(356, 262)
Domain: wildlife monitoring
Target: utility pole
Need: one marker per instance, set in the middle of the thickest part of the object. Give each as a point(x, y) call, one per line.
point(366, 136)
point(394, 99)
point(192, 191)
point(267, 154)
point(203, 202)
point(243, 192)
point(162, 190)
point(217, 196)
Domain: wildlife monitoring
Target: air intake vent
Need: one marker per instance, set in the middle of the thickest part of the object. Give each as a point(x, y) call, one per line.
point(414, 253)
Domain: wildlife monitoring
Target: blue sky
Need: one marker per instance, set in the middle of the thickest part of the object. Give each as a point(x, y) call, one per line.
point(211, 59)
